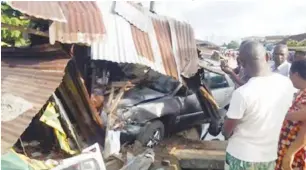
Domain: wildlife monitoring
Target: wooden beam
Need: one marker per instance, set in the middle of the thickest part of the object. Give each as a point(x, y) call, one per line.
point(24, 29)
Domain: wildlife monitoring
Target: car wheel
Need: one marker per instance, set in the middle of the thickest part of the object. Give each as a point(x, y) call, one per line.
point(152, 133)
point(214, 129)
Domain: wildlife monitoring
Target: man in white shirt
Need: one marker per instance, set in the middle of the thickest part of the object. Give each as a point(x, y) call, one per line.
point(256, 113)
point(280, 58)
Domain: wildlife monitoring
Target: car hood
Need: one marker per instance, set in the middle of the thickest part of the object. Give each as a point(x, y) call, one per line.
point(139, 95)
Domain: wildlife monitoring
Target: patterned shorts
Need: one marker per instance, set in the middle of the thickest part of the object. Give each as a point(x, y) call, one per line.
point(233, 163)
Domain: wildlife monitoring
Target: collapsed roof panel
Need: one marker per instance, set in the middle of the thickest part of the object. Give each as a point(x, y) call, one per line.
point(163, 34)
point(48, 10)
point(122, 45)
point(169, 50)
point(184, 47)
point(84, 23)
point(27, 81)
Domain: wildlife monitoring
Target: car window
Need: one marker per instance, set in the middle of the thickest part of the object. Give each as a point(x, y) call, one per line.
point(183, 92)
point(215, 81)
point(163, 84)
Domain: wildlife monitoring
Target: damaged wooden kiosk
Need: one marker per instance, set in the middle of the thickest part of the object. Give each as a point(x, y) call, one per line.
point(77, 93)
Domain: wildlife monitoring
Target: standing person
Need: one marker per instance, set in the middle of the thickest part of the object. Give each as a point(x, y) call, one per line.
point(292, 142)
point(280, 58)
point(237, 74)
point(256, 113)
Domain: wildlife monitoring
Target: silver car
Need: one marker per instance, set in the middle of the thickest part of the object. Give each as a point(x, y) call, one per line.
point(220, 84)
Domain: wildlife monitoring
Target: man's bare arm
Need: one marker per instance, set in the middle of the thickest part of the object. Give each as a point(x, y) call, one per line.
point(236, 78)
point(229, 127)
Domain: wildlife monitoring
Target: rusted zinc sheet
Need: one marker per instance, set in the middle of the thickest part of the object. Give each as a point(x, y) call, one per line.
point(184, 48)
point(167, 46)
point(133, 14)
point(163, 35)
point(48, 10)
point(124, 43)
point(29, 77)
point(83, 19)
point(84, 23)
point(142, 43)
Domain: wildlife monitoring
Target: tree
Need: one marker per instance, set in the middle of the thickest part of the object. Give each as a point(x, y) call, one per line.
point(233, 45)
point(12, 17)
point(292, 43)
point(302, 43)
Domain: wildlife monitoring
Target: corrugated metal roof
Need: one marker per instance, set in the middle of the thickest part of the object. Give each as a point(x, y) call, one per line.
point(166, 48)
point(32, 75)
point(142, 43)
point(163, 35)
point(84, 21)
point(119, 46)
point(47, 10)
point(136, 17)
point(184, 47)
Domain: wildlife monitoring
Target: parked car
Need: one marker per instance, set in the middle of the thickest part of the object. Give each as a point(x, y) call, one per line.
point(221, 87)
point(219, 83)
point(159, 108)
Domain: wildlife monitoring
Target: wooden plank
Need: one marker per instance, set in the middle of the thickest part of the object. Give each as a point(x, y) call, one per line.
point(121, 84)
point(209, 97)
point(198, 154)
point(92, 109)
point(74, 111)
point(68, 123)
point(111, 112)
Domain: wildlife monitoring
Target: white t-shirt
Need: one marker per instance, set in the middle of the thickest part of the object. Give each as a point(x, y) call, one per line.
point(261, 105)
point(283, 69)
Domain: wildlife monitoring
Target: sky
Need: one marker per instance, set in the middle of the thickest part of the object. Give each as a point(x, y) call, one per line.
point(221, 21)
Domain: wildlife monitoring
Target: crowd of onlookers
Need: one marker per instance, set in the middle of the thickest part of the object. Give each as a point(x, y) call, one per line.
point(266, 122)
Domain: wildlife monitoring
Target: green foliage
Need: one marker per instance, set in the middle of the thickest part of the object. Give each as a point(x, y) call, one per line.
point(12, 17)
point(293, 43)
point(233, 45)
point(302, 43)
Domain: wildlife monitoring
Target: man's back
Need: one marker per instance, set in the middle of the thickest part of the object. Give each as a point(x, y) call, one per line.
point(265, 101)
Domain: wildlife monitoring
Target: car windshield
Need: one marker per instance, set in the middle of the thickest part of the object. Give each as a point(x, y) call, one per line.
point(163, 84)
point(215, 80)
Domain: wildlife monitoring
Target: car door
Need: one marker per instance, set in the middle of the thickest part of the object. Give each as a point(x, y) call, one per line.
point(220, 87)
point(191, 111)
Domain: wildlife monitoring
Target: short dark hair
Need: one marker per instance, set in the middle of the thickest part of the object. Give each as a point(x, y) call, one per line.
point(299, 67)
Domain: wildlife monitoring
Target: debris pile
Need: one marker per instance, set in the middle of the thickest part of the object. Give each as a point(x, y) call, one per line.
point(76, 103)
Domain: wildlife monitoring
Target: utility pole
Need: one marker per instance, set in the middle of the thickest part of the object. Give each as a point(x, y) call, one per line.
point(152, 6)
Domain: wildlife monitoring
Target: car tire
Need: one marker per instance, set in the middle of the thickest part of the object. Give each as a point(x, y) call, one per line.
point(152, 133)
point(214, 129)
